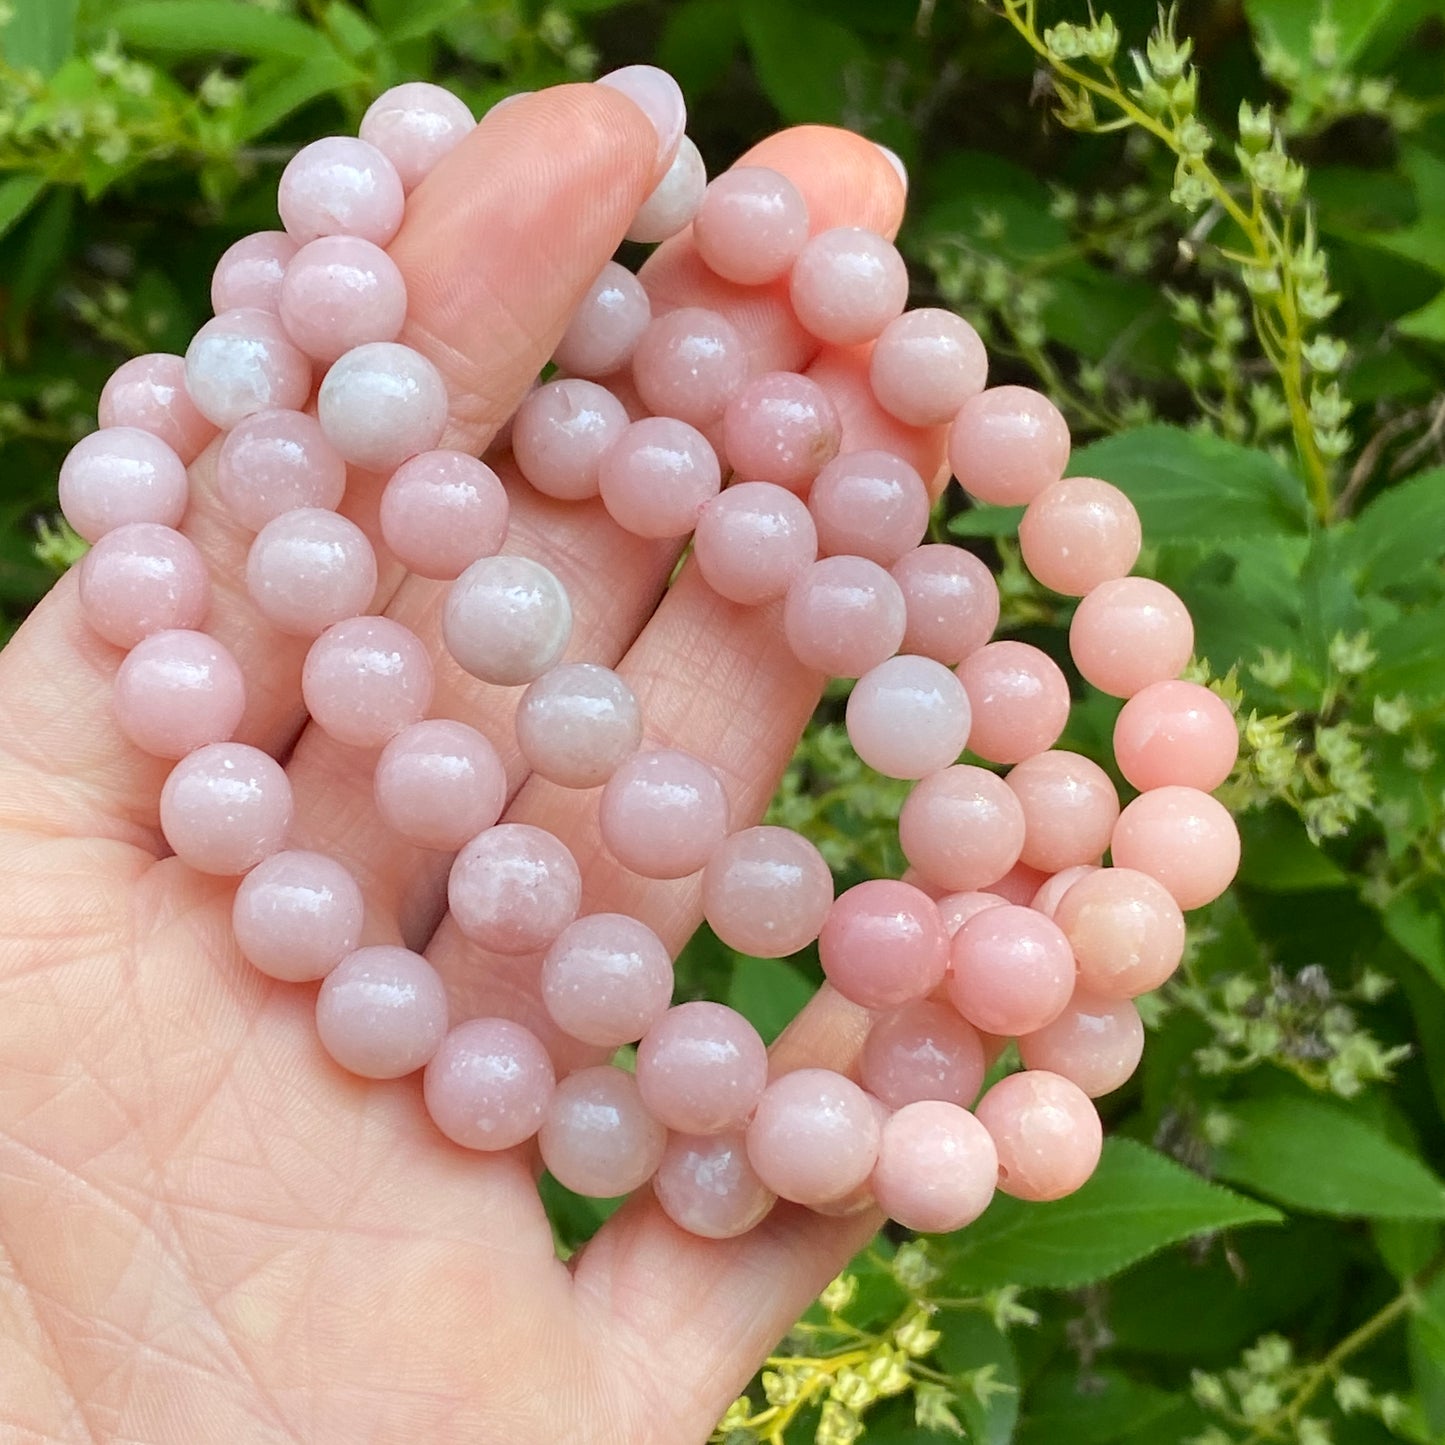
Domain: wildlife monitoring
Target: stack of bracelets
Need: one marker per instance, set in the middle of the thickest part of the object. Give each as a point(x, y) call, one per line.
point(1008, 925)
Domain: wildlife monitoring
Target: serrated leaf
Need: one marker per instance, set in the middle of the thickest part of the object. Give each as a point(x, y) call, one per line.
point(227, 26)
point(1137, 1203)
point(1321, 1158)
point(40, 35)
point(17, 195)
point(768, 992)
point(804, 61)
point(1410, 659)
point(1399, 534)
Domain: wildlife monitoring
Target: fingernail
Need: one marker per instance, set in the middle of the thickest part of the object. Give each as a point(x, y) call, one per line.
point(897, 165)
point(657, 95)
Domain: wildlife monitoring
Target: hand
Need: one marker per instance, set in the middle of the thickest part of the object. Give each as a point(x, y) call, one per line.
point(209, 1231)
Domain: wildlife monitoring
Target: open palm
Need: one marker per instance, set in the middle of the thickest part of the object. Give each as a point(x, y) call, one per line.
point(209, 1232)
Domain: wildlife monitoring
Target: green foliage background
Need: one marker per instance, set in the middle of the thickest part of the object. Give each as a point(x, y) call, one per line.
point(1243, 315)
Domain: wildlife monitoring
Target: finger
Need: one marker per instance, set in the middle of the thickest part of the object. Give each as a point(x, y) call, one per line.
point(499, 244)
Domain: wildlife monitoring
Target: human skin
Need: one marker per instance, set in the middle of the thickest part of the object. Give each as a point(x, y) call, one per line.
point(207, 1230)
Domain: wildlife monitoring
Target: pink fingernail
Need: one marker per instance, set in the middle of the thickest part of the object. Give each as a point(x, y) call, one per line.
point(657, 95)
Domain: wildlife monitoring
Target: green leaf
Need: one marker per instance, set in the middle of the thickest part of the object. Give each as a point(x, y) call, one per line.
point(299, 86)
point(1278, 856)
point(805, 63)
point(1410, 658)
point(1137, 1203)
point(971, 1343)
point(698, 43)
point(1416, 921)
point(1097, 1407)
point(1426, 322)
point(768, 992)
point(40, 35)
point(1287, 24)
point(1321, 1158)
point(1426, 1346)
point(403, 20)
point(228, 26)
point(17, 195)
point(983, 520)
point(1398, 535)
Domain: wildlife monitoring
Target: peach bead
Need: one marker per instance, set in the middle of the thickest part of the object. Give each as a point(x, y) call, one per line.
point(701, 1068)
point(1070, 808)
point(250, 272)
point(707, 1186)
point(1126, 932)
point(1046, 1131)
point(597, 1139)
point(869, 504)
point(955, 909)
point(1095, 1043)
point(275, 462)
point(1130, 633)
point(441, 511)
point(225, 807)
point(1007, 444)
point(843, 616)
point(439, 783)
point(308, 569)
point(766, 892)
point(242, 362)
point(560, 434)
point(908, 717)
point(1019, 884)
point(1176, 733)
point(296, 915)
point(141, 579)
point(923, 1050)
point(753, 541)
point(937, 1167)
point(606, 979)
point(340, 186)
point(814, 1138)
point(1020, 700)
point(883, 944)
point(507, 620)
point(657, 476)
point(414, 125)
point(607, 324)
point(514, 888)
point(962, 828)
point(381, 403)
point(577, 724)
point(1012, 971)
point(340, 292)
point(847, 284)
point(176, 691)
point(674, 200)
point(782, 428)
point(1051, 891)
point(365, 679)
point(1182, 837)
point(750, 225)
point(689, 364)
point(925, 365)
point(488, 1084)
point(149, 393)
point(663, 813)
point(1078, 533)
point(118, 476)
point(951, 599)
point(382, 1012)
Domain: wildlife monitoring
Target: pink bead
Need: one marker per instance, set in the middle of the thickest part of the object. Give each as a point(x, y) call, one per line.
point(1095, 1043)
point(663, 813)
point(847, 285)
point(1012, 971)
point(1051, 891)
point(962, 828)
point(382, 403)
point(308, 569)
point(1130, 633)
point(442, 511)
point(766, 892)
point(955, 909)
point(577, 724)
point(561, 433)
point(1182, 837)
point(177, 691)
point(702, 1069)
point(1070, 808)
point(242, 362)
point(118, 476)
point(908, 717)
point(1078, 533)
point(225, 807)
point(657, 477)
point(414, 125)
point(707, 1186)
point(1126, 932)
point(340, 292)
point(783, 428)
point(488, 1084)
point(597, 1138)
point(606, 979)
point(382, 1012)
point(248, 275)
point(439, 783)
point(926, 364)
point(814, 1138)
point(1007, 444)
point(844, 616)
point(923, 1050)
point(340, 187)
point(297, 915)
point(1020, 701)
point(143, 578)
point(869, 504)
point(275, 462)
point(951, 600)
point(606, 326)
point(1019, 884)
point(674, 200)
point(365, 679)
point(514, 888)
point(752, 541)
point(507, 620)
point(1176, 733)
point(937, 1167)
point(883, 944)
point(1046, 1131)
point(689, 364)
point(750, 226)
point(658, 96)
point(149, 393)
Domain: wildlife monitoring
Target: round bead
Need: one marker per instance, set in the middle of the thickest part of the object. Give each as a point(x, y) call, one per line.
point(488, 1084)
point(1070, 808)
point(577, 724)
point(1050, 892)
point(847, 284)
point(937, 1167)
point(225, 807)
point(560, 434)
point(702, 1068)
point(597, 1138)
point(382, 403)
point(242, 362)
point(1176, 733)
point(606, 979)
point(248, 276)
point(663, 813)
point(118, 476)
point(962, 828)
point(365, 679)
point(923, 1050)
point(149, 393)
point(309, 569)
point(1130, 633)
point(296, 915)
point(783, 428)
point(442, 511)
point(414, 125)
point(1046, 1131)
point(1012, 970)
point(382, 1012)
point(752, 541)
point(1095, 1043)
point(143, 578)
point(1007, 444)
point(766, 892)
point(340, 186)
point(1019, 884)
point(844, 616)
point(869, 504)
point(883, 944)
point(606, 326)
point(951, 601)
point(275, 462)
point(656, 478)
point(925, 365)
point(1182, 837)
point(340, 292)
point(675, 199)
point(955, 909)
point(439, 783)
point(908, 717)
point(1126, 931)
point(176, 691)
point(514, 888)
point(751, 224)
point(1078, 533)
point(707, 1186)
point(689, 364)
point(1019, 697)
point(507, 620)
point(814, 1138)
